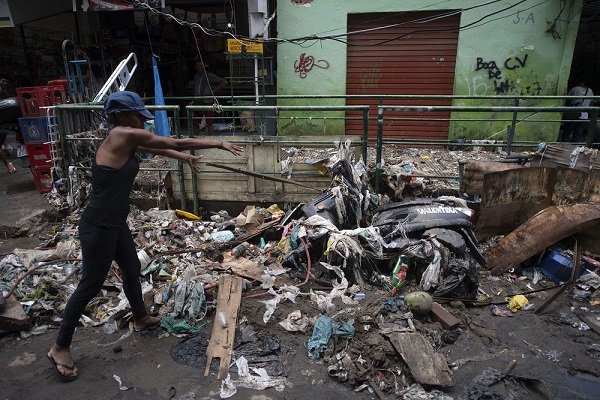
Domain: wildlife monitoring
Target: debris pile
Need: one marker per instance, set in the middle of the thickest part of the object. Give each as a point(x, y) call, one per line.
point(378, 289)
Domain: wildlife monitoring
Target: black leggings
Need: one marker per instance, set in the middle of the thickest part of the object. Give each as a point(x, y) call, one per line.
point(100, 246)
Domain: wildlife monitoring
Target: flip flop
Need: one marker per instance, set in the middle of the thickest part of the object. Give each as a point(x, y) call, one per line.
point(147, 328)
point(11, 168)
point(64, 378)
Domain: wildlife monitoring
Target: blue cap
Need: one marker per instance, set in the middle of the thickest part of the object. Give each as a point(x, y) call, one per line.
point(126, 101)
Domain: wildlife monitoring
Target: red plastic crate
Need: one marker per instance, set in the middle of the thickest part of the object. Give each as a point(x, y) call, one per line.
point(31, 99)
point(50, 95)
point(42, 177)
point(39, 154)
point(28, 101)
point(60, 82)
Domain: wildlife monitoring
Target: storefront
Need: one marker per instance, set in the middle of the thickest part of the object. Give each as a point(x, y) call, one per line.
point(32, 44)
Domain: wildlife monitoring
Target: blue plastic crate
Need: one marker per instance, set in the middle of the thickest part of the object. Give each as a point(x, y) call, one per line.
point(34, 129)
point(558, 266)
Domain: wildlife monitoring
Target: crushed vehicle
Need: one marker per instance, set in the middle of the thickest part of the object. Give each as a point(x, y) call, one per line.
point(348, 227)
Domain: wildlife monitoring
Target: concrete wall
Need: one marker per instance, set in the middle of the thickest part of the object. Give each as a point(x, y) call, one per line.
point(504, 48)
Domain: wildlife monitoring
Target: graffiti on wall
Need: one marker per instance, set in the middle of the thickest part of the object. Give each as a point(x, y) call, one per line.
point(370, 77)
point(306, 63)
point(494, 72)
point(497, 82)
point(523, 18)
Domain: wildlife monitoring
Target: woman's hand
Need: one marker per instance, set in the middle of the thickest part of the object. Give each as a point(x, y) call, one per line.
point(234, 149)
point(193, 162)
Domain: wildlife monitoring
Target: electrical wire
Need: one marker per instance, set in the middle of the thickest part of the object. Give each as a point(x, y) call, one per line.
point(438, 30)
point(303, 40)
point(216, 104)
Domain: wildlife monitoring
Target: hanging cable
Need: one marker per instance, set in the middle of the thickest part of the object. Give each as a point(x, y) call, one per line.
point(216, 105)
point(146, 23)
point(302, 41)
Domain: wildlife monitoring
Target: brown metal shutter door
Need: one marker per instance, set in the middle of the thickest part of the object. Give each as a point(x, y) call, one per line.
point(415, 57)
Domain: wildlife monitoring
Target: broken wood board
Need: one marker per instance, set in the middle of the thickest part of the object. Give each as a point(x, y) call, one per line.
point(544, 229)
point(12, 317)
point(426, 365)
point(569, 156)
point(223, 334)
point(472, 181)
point(510, 198)
point(249, 269)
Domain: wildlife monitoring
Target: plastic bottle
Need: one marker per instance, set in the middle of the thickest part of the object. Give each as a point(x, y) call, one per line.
point(240, 249)
point(110, 326)
point(399, 273)
point(214, 255)
point(144, 258)
point(223, 320)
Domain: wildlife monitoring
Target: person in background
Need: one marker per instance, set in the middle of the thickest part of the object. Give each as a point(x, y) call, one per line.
point(574, 131)
point(9, 166)
point(103, 229)
point(6, 91)
point(206, 85)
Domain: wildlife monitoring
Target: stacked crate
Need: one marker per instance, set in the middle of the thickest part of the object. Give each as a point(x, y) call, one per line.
point(40, 131)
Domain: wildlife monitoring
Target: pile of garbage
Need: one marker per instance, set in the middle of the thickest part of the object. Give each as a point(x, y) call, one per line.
point(382, 269)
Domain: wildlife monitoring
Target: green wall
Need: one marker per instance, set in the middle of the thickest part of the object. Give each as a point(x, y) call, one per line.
point(504, 48)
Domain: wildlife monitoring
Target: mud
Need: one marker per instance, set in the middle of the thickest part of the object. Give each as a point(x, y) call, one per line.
point(552, 355)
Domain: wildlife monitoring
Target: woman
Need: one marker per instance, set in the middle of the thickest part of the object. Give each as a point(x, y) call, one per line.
point(103, 229)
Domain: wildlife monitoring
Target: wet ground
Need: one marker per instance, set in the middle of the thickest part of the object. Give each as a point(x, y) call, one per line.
point(555, 355)
point(554, 359)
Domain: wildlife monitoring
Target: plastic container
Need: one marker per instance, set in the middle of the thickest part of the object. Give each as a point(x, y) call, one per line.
point(34, 129)
point(144, 258)
point(110, 326)
point(42, 176)
point(50, 95)
point(39, 154)
point(28, 101)
point(557, 265)
point(214, 255)
point(399, 272)
point(240, 249)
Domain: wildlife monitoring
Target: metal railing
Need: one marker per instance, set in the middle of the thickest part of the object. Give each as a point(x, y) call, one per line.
point(592, 111)
point(74, 116)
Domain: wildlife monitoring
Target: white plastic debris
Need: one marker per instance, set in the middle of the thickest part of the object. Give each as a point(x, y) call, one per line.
point(294, 322)
point(121, 386)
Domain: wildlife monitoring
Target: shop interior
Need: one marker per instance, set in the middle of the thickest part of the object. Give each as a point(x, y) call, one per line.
point(41, 51)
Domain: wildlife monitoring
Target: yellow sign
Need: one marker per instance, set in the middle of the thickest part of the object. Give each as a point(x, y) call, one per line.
point(235, 46)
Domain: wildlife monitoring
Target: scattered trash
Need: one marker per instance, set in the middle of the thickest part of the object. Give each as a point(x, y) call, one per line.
point(121, 385)
point(517, 302)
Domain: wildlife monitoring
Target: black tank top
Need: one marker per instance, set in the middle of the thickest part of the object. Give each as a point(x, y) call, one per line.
point(111, 187)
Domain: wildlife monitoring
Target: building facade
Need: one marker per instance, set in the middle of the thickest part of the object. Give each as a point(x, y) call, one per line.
point(482, 50)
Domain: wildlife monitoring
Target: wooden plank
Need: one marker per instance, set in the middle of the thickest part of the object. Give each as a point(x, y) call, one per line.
point(426, 366)
point(472, 182)
point(222, 337)
point(559, 155)
point(547, 227)
point(13, 318)
point(439, 314)
point(246, 268)
point(261, 157)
